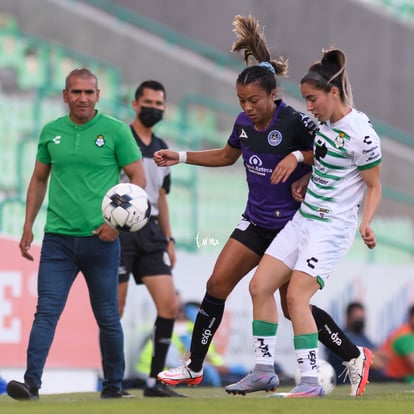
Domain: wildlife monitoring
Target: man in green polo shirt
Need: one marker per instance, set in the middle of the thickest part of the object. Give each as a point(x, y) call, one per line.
point(80, 156)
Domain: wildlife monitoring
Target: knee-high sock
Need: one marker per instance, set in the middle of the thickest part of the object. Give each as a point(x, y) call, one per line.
point(162, 333)
point(332, 336)
point(207, 322)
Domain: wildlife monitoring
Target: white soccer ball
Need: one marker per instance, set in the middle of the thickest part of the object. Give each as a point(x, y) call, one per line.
point(326, 376)
point(126, 207)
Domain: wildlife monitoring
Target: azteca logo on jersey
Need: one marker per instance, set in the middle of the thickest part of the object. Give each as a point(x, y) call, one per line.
point(100, 141)
point(274, 138)
point(255, 166)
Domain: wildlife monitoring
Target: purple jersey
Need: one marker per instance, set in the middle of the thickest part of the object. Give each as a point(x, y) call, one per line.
point(268, 205)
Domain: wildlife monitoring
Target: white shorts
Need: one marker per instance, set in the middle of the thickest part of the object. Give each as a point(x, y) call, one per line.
point(312, 246)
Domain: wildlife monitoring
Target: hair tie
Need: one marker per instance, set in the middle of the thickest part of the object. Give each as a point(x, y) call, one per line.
point(268, 66)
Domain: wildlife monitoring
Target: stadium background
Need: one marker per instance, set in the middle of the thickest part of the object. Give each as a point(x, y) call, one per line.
point(185, 45)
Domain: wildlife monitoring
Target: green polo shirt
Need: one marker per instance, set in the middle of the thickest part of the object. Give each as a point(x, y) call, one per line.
point(86, 161)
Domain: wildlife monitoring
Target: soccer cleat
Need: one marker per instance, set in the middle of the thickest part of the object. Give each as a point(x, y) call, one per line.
point(254, 381)
point(181, 375)
point(302, 390)
point(114, 392)
point(161, 390)
point(357, 370)
point(22, 391)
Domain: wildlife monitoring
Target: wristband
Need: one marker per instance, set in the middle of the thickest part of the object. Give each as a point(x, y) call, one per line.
point(182, 157)
point(171, 239)
point(298, 155)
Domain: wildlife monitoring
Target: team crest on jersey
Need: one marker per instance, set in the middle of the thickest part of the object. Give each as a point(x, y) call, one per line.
point(340, 140)
point(100, 141)
point(274, 138)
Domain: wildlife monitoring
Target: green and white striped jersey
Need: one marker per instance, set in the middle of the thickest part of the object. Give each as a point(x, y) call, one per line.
point(341, 150)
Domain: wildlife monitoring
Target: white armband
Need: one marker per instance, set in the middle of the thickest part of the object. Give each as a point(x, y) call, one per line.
point(298, 155)
point(182, 157)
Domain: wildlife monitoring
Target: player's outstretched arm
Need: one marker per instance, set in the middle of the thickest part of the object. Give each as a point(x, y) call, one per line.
point(166, 158)
point(219, 157)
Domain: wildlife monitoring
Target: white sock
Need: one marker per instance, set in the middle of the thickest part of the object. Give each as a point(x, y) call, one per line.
point(308, 362)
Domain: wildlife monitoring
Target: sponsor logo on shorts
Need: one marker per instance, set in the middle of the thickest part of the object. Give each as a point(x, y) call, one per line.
point(311, 262)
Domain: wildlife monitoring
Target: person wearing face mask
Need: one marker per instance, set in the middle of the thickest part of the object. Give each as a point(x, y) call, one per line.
point(149, 254)
point(355, 322)
point(355, 330)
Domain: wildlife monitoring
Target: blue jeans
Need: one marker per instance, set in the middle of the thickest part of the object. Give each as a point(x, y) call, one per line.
point(61, 259)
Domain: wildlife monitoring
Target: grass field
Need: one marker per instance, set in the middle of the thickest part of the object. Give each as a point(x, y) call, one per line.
point(378, 399)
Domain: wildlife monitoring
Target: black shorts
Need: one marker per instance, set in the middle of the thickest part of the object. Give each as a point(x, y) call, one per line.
point(144, 253)
point(253, 237)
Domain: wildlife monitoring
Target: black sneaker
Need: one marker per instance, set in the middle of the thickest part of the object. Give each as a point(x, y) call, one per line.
point(114, 392)
point(161, 390)
point(22, 391)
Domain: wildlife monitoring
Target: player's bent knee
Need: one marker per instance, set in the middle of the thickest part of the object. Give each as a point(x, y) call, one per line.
point(218, 289)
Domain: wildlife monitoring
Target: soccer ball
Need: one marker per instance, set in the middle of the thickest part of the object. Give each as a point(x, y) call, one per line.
point(326, 376)
point(126, 207)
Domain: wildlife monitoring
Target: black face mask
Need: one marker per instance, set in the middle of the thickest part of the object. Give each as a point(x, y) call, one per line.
point(357, 326)
point(150, 116)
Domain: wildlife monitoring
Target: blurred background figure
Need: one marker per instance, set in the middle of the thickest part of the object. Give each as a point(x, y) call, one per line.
point(396, 354)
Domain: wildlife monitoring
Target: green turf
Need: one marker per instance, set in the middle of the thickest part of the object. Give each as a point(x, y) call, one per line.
point(378, 399)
